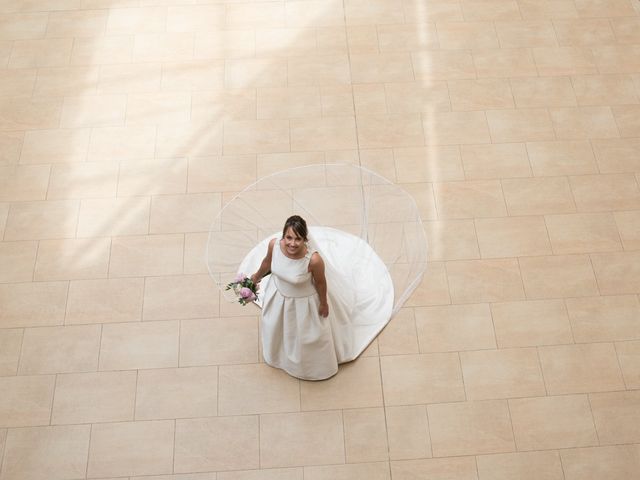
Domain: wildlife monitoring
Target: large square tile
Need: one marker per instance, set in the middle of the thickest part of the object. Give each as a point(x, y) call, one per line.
point(26, 400)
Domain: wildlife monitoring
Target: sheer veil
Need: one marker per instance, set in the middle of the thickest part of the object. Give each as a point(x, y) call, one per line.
point(367, 230)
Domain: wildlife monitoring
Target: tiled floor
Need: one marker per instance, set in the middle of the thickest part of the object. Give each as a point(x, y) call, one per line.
point(125, 125)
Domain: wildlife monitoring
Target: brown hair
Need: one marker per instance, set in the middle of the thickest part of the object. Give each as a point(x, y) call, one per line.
point(297, 224)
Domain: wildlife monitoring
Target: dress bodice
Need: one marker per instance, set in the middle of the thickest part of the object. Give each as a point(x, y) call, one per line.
point(291, 275)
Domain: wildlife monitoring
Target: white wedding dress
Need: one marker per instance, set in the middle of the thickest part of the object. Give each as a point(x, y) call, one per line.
point(295, 337)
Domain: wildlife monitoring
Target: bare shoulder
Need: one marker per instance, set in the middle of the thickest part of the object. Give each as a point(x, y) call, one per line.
point(272, 242)
point(316, 260)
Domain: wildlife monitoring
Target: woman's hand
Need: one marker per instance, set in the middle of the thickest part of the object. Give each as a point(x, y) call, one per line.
point(255, 279)
point(323, 310)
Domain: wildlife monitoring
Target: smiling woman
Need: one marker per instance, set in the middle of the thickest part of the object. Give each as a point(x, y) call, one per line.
point(327, 289)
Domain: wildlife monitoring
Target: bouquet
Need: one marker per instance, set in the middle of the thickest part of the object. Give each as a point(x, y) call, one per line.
point(244, 288)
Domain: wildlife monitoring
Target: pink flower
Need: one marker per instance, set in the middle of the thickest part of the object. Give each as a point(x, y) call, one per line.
point(239, 277)
point(246, 293)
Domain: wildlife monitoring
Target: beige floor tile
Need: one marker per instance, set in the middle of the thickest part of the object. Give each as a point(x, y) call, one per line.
point(365, 435)
point(288, 102)
point(627, 120)
point(33, 113)
point(127, 346)
point(394, 130)
point(359, 12)
point(10, 148)
point(371, 471)
point(183, 213)
point(531, 323)
point(255, 73)
point(378, 160)
point(257, 388)
point(454, 327)
point(72, 259)
point(131, 448)
point(548, 8)
point(584, 32)
point(221, 341)
point(337, 101)
point(512, 237)
point(278, 42)
point(399, 336)
point(113, 216)
point(364, 39)
point(94, 111)
point(336, 133)
point(520, 125)
point(60, 349)
point(223, 104)
point(491, 10)
point(105, 301)
point(604, 90)
point(583, 233)
point(556, 61)
point(536, 92)
point(188, 76)
point(195, 139)
point(536, 196)
point(480, 94)
point(399, 38)
point(136, 20)
point(616, 463)
point(466, 35)
point(583, 123)
point(427, 164)
point(228, 173)
point(427, 378)
point(411, 97)
point(470, 199)
point(129, 78)
point(604, 8)
point(55, 146)
point(617, 155)
point(408, 432)
point(617, 273)
point(615, 414)
point(83, 180)
point(358, 385)
point(67, 81)
point(462, 468)
point(433, 12)
point(524, 466)
point(223, 443)
point(40, 53)
point(40, 220)
point(504, 63)
point(629, 359)
point(80, 23)
point(558, 276)
point(18, 259)
point(450, 128)
point(433, 289)
point(94, 397)
point(495, 161)
point(221, 44)
point(32, 304)
point(266, 474)
point(24, 183)
point(114, 144)
point(470, 428)
point(617, 58)
point(422, 193)
point(61, 451)
point(370, 99)
point(322, 70)
point(295, 439)
point(562, 158)
point(493, 280)
point(256, 136)
point(176, 393)
point(270, 163)
point(580, 368)
point(452, 240)
point(10, 346)
point(434, 65)
point(26, 401)
point(102, 50)
point(255, 15)
point(625, 29)
point(138, 255)
point(502, 373)
point(179, 297)
point(552, 422)
point(165, 108)
point(629, 229)
point(163, 47)
point(595, 193)
point(527, 33)
point(193, 18)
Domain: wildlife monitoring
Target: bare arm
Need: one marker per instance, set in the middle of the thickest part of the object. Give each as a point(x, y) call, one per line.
point(316, 266)
point(265, 266)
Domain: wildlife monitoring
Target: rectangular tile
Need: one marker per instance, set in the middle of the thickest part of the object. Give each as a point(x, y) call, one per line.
point(10, 345)
point(408, 432)
point(365, 435)
point(604, 90)
point(495, 161)
point(469, 199)
point(440, 65)
point(452, 128)
point(55, 146)
point(512, 237)
point(526, 33)
point(583, 233)
point(536, 196)
point(504, 63)
point(83, 180)
point(428, 164)
point(536, 92)
point(72, 259)
point(558, 61)
point(19, 259)
point(615, 415)
point(558, 276)
point(617, 462)
point(597, 193)
point(573, 157)
point(372, 471)
point(452, 240)
point(42, 220)
point(26, 400)
point(24, 183)
point(467, 35)
point(337, 133)
point(399, 335)
point(104, 301)
point(629, 228)
point(494, 280)
point(462, 468)
point(617, 273)
point(482, 94)
point(520, 125)
point(138, 255)
point(33, 304)
point(382, 131)
point(256, 136)
point(629, 358)
point(541, 465)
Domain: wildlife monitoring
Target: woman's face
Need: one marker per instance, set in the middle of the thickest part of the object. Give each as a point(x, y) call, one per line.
point(293, 242)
